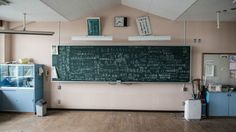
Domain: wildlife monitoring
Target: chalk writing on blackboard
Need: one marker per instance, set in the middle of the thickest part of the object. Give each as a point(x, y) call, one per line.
point(123, 63)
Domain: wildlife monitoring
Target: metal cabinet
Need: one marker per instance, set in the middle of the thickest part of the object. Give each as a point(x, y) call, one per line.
point(25, 100)
point(221, 103)
point(232, 104)
point(8, 100)
point(21, 85)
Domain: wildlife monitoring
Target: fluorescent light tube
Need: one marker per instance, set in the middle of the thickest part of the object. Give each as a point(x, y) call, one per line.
point(26, 32)
point(4, 2)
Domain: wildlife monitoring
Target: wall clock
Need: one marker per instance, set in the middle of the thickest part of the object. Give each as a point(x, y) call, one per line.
point(120, 21)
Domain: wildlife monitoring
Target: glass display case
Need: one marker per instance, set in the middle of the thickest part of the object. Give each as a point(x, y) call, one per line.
point(21, 76)
point(21, 86)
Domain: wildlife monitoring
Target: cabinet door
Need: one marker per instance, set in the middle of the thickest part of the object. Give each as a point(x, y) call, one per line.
point(232, 104)
point(0, 100)
point(218, 104)
point(25, 100)
point(9, 100)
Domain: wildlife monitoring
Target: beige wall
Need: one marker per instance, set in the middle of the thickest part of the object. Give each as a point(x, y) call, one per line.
point(5, 45)
point(155, 96)
point(1, 48)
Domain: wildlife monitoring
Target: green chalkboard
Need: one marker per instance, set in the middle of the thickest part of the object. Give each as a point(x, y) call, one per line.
point(123, 63)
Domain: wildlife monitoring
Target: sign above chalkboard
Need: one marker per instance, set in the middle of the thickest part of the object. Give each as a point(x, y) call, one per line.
point(123, 63)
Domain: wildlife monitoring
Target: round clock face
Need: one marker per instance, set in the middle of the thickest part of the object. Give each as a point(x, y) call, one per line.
point(119, 21)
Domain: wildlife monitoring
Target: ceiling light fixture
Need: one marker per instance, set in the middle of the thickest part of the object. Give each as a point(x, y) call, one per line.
point(234, 1)
point(4, 2)
point(24, 31)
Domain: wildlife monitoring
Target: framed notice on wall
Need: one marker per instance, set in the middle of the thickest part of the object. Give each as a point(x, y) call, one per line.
point(143, 24)
point(93, 26)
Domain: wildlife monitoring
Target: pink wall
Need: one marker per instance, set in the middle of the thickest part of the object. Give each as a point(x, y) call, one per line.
point(156, 96)
point(5, 45)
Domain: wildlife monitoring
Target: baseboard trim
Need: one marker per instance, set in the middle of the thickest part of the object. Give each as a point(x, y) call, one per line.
point(117, 110)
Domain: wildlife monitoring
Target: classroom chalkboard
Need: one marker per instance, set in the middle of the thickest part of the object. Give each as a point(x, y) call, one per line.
point(122, 63)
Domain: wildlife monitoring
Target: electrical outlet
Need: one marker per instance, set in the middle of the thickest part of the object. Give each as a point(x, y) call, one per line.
point(58, 101)
point(59, 87)
point(47, 73)
point(184, 89)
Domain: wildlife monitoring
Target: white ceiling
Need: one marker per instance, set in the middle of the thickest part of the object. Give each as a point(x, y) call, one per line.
point(170, 9)
point(205, 10)
point(74, 9)
point(63, 10)
point(35, 9)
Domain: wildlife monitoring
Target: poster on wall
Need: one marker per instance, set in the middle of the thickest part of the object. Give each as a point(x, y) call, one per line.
point(232, 62)
point(93, 26)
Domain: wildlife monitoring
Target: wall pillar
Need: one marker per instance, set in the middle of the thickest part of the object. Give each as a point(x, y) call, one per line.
point(5, 45)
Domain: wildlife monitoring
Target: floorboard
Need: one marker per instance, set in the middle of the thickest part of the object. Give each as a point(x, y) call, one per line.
point(111, 121)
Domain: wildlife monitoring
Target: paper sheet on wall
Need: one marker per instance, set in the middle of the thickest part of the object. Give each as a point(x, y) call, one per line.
point(232, 66)
point(209, 70)
point(233, 74)
point(40, 71)
point(54, 72)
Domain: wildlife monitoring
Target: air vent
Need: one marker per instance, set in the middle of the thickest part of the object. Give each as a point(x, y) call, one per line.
point(4, 2)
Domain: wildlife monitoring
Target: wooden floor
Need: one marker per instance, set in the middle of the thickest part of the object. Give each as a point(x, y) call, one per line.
point(111, 121)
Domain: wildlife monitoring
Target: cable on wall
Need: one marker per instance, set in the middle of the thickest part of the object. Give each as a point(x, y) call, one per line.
point(59, 32)
point(218, 19)
point(59, 43)
point(185, 24)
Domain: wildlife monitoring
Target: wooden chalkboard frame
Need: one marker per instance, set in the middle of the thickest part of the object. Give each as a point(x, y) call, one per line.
point(125, 82)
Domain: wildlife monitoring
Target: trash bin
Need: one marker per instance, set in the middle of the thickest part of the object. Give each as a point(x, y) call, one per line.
point(192, 109)
point(41, 107)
